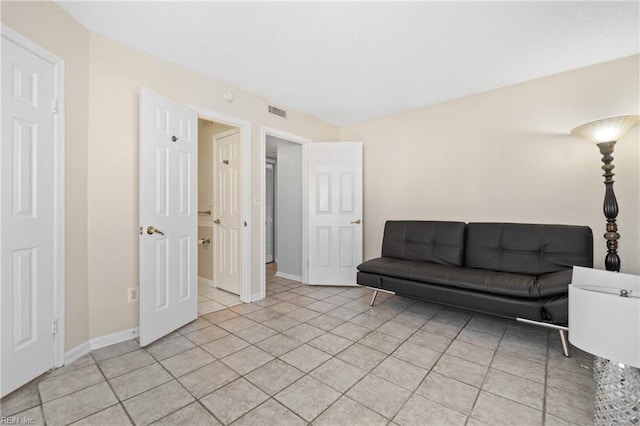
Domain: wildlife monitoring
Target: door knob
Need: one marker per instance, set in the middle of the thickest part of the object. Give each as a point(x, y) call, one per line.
point(217, 221)
point(151, 230)
point(357, 221)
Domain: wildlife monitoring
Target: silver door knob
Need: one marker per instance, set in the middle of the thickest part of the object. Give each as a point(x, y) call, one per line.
point(357, 221)
point(151, 230)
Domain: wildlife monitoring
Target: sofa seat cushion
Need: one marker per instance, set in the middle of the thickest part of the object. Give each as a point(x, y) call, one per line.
point(487, 281)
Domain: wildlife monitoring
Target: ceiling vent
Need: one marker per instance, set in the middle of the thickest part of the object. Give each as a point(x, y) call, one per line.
point(277, 111)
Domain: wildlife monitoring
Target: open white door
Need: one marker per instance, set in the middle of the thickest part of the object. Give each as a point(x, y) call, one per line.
point(168, 215)
point(29, 227)
point(228, 211)
point(335, 212)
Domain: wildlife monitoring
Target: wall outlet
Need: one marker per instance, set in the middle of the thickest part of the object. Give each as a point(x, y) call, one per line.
point(132, 294)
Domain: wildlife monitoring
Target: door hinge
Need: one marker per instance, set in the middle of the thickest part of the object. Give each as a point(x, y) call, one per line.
point(54, 106)
point(54, 326)
point(245, 223)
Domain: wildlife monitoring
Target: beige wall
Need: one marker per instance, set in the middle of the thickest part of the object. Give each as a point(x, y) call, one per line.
point(507, 155)
point(46, 24)
point(117, 72)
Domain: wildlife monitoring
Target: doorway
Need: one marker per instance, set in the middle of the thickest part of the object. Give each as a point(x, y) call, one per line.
point(284, 210)
point(220, 222)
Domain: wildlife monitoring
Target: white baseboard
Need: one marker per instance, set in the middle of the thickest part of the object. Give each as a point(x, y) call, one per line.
point(110, 339)
point(76, 353)
point(205, 281)
point(289, 276)
point(99, 342)
point(257, 296)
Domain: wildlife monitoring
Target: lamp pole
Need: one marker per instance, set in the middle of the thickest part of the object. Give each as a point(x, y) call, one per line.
point(610, 208)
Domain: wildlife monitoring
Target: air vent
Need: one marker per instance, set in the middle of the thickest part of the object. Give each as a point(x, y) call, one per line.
point(277, 111)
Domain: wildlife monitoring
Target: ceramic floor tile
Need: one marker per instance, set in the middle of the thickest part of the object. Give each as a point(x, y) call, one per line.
point(208, 379)
point(325, 322)
point(111, 416)
point(461, 370)
point(570, 382)
point(234, 400)
point(379, 395)
point(381, 342)
point(361, 356)
point(122, 364)
point(351, 331)
point(166, 348)
point(417, 355)
point(193, 414)
point(400, 372)
point(367, 321)
point(221, 316)
point(303, 332)
point(79, 405)
point(515, 388)
point(236, 324)
point(21, 399)
point(274, 376)
point(281, 323)
point(255, 333)
point(430, 340)
point(420, 411)
point(186, 362)
point(495, 410)
point(138, 381)
point(225, 346)
point(345, 412)
point(338, 374)
point(115, 350)
point(206, 334)
point(308, 397)
point(245, 308)
point(278, 344)
point(569, 406)
point(448, 392)
point(303, 314)
point(199, 323)
point(305, 358)
point(158, 402)
point(270, 413)
point(247, 359)
point(397, 329)
point(473, 353)
point(32, 416)
point(330, 343)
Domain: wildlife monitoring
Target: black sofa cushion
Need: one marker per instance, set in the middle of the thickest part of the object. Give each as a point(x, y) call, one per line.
point(532, 249)
point(481, 280)
point(427, 241)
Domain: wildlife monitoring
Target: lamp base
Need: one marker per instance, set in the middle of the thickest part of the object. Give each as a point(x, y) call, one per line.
point(617, 393)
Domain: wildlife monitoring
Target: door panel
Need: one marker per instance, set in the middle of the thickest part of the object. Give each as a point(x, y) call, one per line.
point(27, 216)
point(335, 212)
point(269, 213)
point(168, 184)
point(227, 210)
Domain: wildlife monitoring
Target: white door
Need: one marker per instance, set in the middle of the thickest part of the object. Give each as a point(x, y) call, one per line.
point(27, 255)
point(335, 212)
point(228, 211)
point(269, 212)
point(168, 215)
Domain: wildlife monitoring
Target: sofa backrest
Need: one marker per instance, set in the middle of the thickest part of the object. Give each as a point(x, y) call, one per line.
point(532, 249)
point(429, 241)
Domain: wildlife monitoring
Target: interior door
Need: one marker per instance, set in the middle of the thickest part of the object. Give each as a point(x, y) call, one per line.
point(335, 212)
point(26, 216)
point(168, 215)
point(228, 211)
point(269, 210)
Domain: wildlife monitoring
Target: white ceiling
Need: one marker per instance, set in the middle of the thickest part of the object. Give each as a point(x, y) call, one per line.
point(346, 62)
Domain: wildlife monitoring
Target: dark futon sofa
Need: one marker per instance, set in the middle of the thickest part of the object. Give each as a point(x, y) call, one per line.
point(511, 270)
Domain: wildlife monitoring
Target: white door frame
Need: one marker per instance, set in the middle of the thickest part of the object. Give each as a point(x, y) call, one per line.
point(264, 132)
point(245, 137)
point(58, 185)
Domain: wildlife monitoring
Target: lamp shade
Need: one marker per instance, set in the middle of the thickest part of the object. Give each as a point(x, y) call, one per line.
point(601, 321)
point(606, 129)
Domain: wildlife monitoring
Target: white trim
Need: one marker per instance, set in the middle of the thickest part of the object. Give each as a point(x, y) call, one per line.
point(245, 136)
point(113, 338)
point(59, 138)
point(256, 296)
point(289, 276)
point(262, 152)
point(76, 353)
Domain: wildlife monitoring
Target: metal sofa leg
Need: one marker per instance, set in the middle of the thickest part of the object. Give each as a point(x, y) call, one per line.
point(566, 350)
point(373, 299)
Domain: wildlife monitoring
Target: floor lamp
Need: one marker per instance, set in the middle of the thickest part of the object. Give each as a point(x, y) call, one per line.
point(614, 338)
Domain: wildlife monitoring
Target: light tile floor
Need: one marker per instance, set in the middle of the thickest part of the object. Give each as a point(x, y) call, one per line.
point(211, 299)
point(322, 355)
